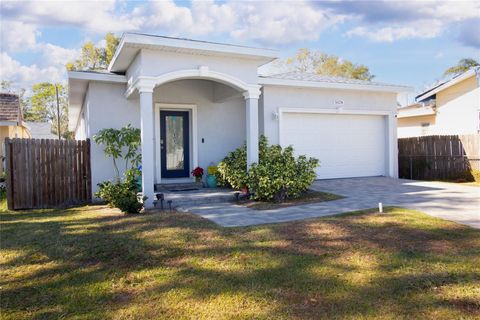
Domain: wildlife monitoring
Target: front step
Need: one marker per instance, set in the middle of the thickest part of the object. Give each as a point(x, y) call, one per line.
point(178, 187)
point(186, 199)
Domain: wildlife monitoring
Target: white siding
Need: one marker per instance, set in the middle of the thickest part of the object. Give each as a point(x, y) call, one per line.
point(107, 108)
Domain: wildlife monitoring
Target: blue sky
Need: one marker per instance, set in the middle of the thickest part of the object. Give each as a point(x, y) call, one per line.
point(402, 42)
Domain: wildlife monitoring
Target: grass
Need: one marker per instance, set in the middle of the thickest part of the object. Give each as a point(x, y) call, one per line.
point(311, 196)
point(94, 263)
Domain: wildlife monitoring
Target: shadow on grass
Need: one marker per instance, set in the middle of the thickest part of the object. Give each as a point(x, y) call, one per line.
point(90, 262)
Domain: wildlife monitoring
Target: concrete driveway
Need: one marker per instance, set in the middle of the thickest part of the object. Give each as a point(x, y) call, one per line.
point(455, 202)
point(444, 200)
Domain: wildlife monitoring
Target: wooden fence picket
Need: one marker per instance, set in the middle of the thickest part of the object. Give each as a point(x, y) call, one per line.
point(45, 173)
point(438, 157)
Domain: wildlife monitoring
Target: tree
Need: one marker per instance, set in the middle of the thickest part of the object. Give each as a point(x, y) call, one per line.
point(462, 66)
point(121, 143)
point(95, 58)
point(321, 63)
point(43, 107)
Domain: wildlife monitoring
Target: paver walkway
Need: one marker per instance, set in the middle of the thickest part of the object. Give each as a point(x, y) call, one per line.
point(444, 200)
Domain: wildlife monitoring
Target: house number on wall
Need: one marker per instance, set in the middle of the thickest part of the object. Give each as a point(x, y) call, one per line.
point(338, 102)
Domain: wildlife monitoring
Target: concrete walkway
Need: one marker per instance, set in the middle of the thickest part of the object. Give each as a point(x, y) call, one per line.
point(444, 200)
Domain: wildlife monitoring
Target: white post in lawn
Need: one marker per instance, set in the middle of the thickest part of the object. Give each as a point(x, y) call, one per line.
point(147, 135)
point(251, 102)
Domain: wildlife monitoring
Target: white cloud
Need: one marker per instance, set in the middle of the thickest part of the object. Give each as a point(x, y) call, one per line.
point(57, 56)
point(18, 36)
point(24, 76)
point(268, 22)
point(422, 29)
point(281, 22)
point(97, 16)
point(388, 21)
point(51, 67)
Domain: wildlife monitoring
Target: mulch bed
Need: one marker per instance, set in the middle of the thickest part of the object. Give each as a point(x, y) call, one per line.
point(310, 196)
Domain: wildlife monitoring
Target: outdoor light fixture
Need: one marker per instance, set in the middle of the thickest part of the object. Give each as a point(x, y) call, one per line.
point(160, 197)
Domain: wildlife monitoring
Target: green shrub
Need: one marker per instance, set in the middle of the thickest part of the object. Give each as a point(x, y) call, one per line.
point(122, 195)
point(232, 170)
point(277, 176)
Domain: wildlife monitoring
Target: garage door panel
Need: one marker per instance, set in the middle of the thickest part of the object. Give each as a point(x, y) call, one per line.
point(346, 145)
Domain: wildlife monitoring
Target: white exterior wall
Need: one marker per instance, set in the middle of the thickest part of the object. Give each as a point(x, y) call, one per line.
point(276, 98)
point(80, 131)
point(135, 68)
point(81, 128)
point(107, 108)
point(412, 126)
point(221, 124)
point(155, 63)
point(458, 109)
point(457, 113)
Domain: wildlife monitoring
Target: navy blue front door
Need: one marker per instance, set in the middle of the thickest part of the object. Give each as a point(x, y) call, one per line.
point(174, 144)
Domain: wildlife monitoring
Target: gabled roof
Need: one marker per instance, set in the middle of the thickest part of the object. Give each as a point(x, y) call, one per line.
point(305, 79)
point(446, 84)
point(131, 43)
point(10, 107)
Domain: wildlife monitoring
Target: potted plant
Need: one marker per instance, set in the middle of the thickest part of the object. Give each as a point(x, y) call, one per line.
point(198, 174)
point(212, 177)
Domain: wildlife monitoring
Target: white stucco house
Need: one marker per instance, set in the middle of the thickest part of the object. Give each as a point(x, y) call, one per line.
point(449, 108)
point(196, 101)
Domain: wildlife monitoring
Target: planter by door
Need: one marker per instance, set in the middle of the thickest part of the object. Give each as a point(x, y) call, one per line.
point(174, 144)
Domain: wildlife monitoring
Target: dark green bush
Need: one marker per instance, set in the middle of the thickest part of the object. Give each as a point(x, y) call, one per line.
point(122, 195)
point(277, 176)
point(232, 170)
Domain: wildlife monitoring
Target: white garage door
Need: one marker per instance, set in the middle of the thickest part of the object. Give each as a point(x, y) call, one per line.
point(346, 145)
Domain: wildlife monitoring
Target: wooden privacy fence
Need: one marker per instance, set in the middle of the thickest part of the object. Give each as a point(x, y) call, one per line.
point(439, 157)
point(47, 173)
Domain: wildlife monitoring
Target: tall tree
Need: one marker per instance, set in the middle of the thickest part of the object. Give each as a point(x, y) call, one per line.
point(44, 107)
point(462, 66)
point(95, 58)
point(321, 63)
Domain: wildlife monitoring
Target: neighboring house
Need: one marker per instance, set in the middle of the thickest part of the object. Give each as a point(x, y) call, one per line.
point(451, 108)
point(41, 130)
point(11, 122)
point(196, 101)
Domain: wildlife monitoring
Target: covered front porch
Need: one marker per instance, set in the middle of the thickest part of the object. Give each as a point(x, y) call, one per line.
point(193, 121)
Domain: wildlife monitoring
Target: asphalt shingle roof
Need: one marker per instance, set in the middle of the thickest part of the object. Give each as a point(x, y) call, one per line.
point(10, 107)
point(312, 77)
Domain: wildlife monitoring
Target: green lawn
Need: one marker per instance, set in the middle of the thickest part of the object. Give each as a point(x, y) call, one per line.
point(92, 262)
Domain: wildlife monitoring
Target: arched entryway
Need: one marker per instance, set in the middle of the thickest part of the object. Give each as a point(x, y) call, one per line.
point(157, 113)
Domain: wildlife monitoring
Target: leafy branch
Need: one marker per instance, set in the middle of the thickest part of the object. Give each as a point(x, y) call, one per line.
point(121, 143)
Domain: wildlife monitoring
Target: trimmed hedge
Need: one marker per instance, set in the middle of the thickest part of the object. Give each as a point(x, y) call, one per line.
point(277, 176)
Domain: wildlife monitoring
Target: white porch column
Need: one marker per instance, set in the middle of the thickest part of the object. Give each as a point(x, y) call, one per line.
point(147, 135)
point(392, 145)
point(251, 103)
